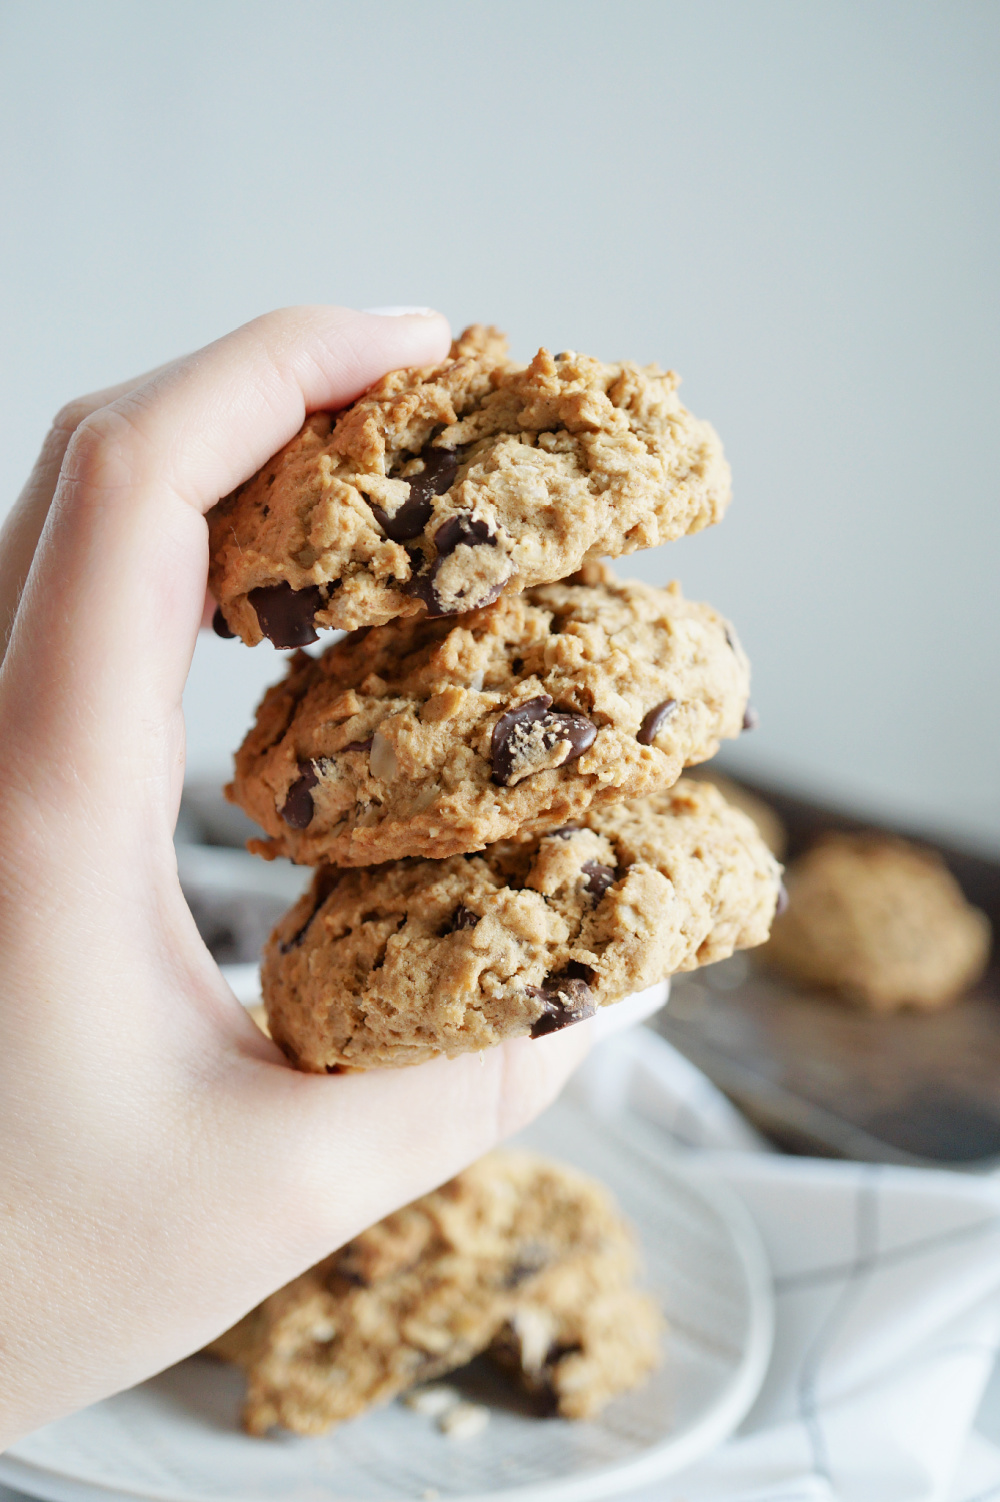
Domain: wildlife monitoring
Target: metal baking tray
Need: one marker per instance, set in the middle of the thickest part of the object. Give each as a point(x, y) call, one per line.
point(820, 1077)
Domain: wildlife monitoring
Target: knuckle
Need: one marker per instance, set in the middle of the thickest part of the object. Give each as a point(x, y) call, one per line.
point(95, 452)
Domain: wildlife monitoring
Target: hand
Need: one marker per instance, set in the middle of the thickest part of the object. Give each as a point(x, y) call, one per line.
point(162, 1168)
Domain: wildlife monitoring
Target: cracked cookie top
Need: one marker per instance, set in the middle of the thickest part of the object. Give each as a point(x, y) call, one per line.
point(435, 737)
point(443, 487)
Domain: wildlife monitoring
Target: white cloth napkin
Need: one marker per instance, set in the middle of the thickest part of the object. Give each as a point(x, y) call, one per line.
point(888, 1306)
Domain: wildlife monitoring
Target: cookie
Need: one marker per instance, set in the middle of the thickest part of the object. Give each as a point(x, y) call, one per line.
point(395, 964)
point(442, 487)
point(516, 1250)
point(880, 921)
point(772, 830)
point(434, 737)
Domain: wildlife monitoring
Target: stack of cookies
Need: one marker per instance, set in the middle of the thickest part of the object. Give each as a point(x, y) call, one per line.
point(484, 770)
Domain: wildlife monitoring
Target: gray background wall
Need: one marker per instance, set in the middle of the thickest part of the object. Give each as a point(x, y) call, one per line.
point(794, 204)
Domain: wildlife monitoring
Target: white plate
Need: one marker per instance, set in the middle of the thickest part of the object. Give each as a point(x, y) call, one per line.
point(175, 1438)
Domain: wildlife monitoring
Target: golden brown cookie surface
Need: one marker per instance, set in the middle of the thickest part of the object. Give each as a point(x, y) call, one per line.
point(442, 487)
point(395, 964)
point(438, 737)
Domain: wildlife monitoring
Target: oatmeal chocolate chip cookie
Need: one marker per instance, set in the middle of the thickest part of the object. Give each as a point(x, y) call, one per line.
point(434, 737)
point(516, 1251)
point(882, 922)
point(440, 488)
point(394, 964)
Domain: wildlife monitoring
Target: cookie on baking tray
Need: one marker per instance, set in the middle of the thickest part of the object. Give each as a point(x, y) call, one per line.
point(441, 487)
point(394, 964)
point(882, 922)
point(435, 737)
point(517, 1254)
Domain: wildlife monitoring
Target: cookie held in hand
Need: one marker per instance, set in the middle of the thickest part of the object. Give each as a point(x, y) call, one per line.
point(438, 737)
point(398, 963)
point(442, 488)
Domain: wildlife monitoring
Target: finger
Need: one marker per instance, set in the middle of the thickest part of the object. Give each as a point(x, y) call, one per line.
point(110, 611)
point(23, 525)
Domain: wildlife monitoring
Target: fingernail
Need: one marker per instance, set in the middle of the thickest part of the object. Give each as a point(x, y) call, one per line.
point(392, 310)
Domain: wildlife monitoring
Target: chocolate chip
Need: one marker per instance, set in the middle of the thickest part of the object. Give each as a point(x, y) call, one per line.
point(566, 999)
point(511, 731)
point(221, 626)
point(654, 721)
point(359, 745)
point(410, 519)
point(563, 832)
point(782, 900)
point(285, 614)
point(297, 809)
point(462, 530)
point(599, 878)
point(324, 881)
point(751, 719)
point(462, 917)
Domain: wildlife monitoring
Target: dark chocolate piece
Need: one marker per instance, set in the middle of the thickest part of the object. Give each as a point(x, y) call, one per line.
point(462, 917)
point(563, 832)
point(297, 809)
point(557, 726)
point(359, 745)
point(285, 615)
point(566, 999)
point(325, 880)
point(462, 529)
point(654, 721)
point(599, 878)
point(221, 626)
point(410, 519)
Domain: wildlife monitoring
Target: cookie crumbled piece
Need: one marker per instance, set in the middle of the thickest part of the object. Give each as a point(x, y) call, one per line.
point(513, 1244)
point(436, 737)
point(395, 964)
point(443, 487)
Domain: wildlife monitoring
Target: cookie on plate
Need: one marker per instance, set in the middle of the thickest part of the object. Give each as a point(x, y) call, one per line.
point(441, 487)
point(882, 922)
point(394, 964)
point(515, 1250)
point(434, 737)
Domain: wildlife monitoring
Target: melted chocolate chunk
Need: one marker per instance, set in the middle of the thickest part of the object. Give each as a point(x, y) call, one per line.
point(556, 726)
point(297, 809)
point(599, 878)
point(462, 917)
point(285, 615)
point(566, 999)
point(782, 900)
point(410, 519)
point(563, 832)
point(220, 625)
point(462, 529)
point(751, 719)
point(530, 1262)
point(359, 745)
point(654, 721)
point(324, 882)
